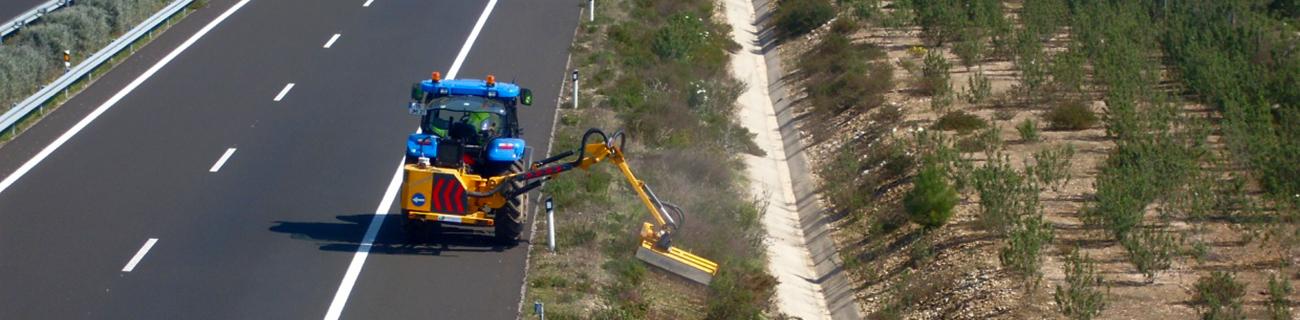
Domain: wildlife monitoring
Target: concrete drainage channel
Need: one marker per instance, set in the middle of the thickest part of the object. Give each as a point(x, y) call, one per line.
point(802, 255)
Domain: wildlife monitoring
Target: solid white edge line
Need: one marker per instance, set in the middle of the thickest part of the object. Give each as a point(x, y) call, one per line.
point(331, 41)
point(473, 34)
point(367, 4)
point(283, 92)
point(224, 157)
point(140, 255)
point(13, 177)
point(363, 251)
point(550, 142)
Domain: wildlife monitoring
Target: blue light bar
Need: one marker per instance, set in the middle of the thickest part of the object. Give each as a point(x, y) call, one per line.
point(473, 87)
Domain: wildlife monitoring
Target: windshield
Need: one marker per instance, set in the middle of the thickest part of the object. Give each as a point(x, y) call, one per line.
point(467, 103)
point(469, 115)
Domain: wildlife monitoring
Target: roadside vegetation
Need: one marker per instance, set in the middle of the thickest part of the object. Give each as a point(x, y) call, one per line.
point(657, 69)
point(33, 57)
point(1162, 135)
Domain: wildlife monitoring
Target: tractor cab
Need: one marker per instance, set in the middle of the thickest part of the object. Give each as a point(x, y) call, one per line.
point(467, 123)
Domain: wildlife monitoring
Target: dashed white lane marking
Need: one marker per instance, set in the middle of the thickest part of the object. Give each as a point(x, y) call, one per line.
point(283, 92)
point(473, 34)
point(331, 42)
point(363, 250)
point(113, 100)
point(367, 3)
point(140, 255)
point(222, 161)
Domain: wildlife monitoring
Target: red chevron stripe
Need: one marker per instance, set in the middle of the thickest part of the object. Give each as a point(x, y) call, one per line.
point(444, 196)
point(436, 204)
point(459, 198)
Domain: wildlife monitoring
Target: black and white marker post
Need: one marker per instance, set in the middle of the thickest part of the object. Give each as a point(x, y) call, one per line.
point(550, 224)
point(575, 88)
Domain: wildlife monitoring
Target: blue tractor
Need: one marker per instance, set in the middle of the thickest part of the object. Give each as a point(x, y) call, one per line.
point(469, 131)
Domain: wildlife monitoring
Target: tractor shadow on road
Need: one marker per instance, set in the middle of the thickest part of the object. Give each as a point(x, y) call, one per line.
point(346, 235)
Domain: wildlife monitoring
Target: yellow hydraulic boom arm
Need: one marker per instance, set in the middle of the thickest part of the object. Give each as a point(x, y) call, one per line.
point(656, 239)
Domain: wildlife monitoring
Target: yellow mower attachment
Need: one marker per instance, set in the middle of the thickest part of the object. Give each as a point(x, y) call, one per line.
point(457, 196)
point(656, 238)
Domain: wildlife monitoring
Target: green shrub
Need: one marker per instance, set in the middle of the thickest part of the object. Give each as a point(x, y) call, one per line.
point(940, 20)
point(931, 199)
point(797, 17)
point(50, 39)
point(990, 139)
point(1218, 296)
point(22, 68)
point(935, 79)
point(971, 49)
point(864, 10)
point(1023, 253)
point(1005, 195)
point(742, 292)
point(89, 25)
point(1279, 302)
point(1072, 115)
point(1032, 63)
point(960, 121)
point(978, 88)
point(1068, 73)
point(122, 14)
point(1081, 300)
point(1052, 165)
point(969, 144)
point(679, 38)
point(843, 75)
point(1150, 251)
point(923, 250)
point(1028, 130)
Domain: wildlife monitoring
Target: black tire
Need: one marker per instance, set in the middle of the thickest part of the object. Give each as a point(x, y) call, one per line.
point(412, 229)
point(517, 167)
point(508, 223)
point(509, 218)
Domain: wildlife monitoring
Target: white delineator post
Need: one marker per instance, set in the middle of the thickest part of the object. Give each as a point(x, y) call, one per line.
point(550, 224)
point(591, 12)
point(575, 88)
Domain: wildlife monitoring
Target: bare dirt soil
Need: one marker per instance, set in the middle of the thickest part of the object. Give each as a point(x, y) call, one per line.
point(963, 278)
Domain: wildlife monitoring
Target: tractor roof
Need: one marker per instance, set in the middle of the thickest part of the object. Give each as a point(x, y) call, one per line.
point(475, 87)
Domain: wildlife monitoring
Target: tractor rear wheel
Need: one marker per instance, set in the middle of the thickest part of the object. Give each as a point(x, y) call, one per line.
point(412, 229)
point(509, 218)
point(508, 223)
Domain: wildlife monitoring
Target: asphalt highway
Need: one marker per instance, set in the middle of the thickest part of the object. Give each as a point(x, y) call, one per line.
point(10, 9)
point(258, 194)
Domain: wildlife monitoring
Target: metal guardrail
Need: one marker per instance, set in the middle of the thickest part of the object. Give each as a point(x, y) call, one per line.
point(30, 15)
point(32, 103)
